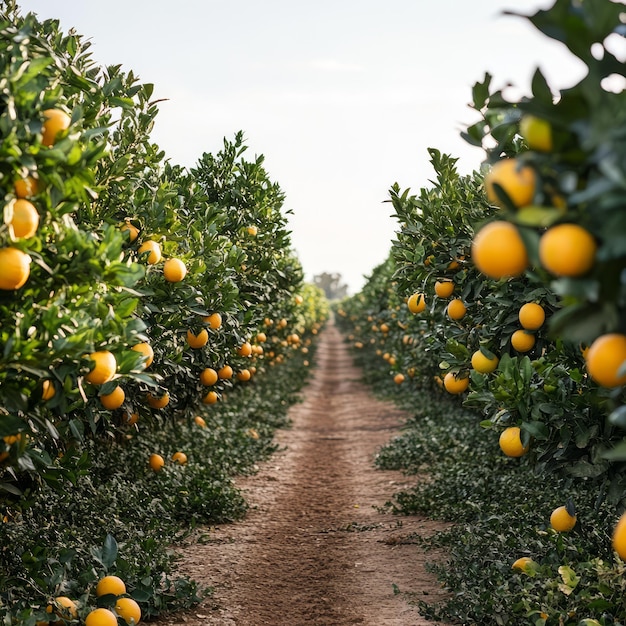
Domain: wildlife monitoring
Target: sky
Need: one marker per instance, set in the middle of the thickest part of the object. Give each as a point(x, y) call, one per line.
point(342, 97)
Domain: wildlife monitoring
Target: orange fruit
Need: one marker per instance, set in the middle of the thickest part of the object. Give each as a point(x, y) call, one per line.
point(298, 299)
point(511, 442)
point(455, 385)
point(536, 132)
point(56, 121)
point(522, 341)
point(245, 349)
point(179, 457)
point(174, 270)
point(208, 376)
point(444, 288)
point(252, 231)
point(110, 585)
point(104, 367)
point(26, 187)
point(516, 180)
point(531, 316)
point(153, 249)
point(605, 357)
point(214, 320)
point(456, 309)
point(198, 341)
point(261, 337)
point(210, 398)
point(64, 608)
point(47, 390)
point(133, 231)
point(130, 418)
point(25, 219)
point(113, 400)
point(567, 250)
point(619, 537)
point(524, 564)
point(484, 364)
point(225, 372)
point(498, 250)
point(244, 375)
point(561, 520)
point(145, 349)
point(14, 268)
point(416, 303)
point(128, 610)
point(158, 402)
point(156, 462)
point(199, 421)
point(398, 378)
point(101, 617)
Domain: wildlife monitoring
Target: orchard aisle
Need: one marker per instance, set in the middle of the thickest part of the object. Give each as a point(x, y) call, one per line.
point(313, 549)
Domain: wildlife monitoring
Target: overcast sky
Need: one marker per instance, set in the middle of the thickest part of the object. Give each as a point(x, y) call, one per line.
point(343, 97)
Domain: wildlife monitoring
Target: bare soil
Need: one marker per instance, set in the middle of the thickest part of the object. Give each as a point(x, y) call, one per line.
point(315, 548)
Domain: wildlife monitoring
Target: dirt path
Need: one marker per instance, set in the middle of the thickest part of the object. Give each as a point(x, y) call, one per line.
point(314, 549)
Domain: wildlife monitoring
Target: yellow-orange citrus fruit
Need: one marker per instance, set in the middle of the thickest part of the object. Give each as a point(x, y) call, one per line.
point(158, 402)
point(245, 349)
point(208, 376)
point(298, 299)
point(455, 385)
point(398, 378)
point(210, 398)
point(104, 367)
point(416, 303)
point(110, 585)
point(198, 341)
point(179, 457)
point(156, 462)
point(113, 400)
point(244, 375)
point(133, 231)
point(605, 357)
point(511, 443)
point(484, 364)
point(444, 288)
point(128, 610)
point(101, 617)
point(531, 316)
point(26, 187)
point(498, 250)
point(130, 418)
point(63, 607)
point(153, 249)
point(561, 520)
point(25, 219)
point(619, 537)
point(199, 421)
point(456, 309)
point(536, 132)
point(56, 121)
point(47, 390)
point(524, 564)
point(145, 349)
point(174, 270)
point(567, 250)
point(14, 268)
point(517, 181)
point(522, 341)
point(214, 320)
point(225, 372)
point(261, 337)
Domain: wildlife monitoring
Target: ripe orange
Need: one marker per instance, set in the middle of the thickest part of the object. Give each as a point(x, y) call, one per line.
point(398, 378)
point(158, 402)
point(531, 316)
point(154, 250)
point(113, 585)
point(113, 400)
point(511, 443)
point(484, 364)
point(605, 357)
point(25, 219)
point(26, 187)
point(455, 385)
point(567, 250)
point(214, 320)
point(130, 418)
point(104, 367)
point(14, 268)
point(244, 375)
point(252, 231)
point(198, 341)
point(517, 180)
point(561, 520)
point(199, 421)
point(536, 132)
point(522, 341)
point(416, 303)
point(498, 250)
point(619, 537)
point(156, 462)
point(210, 398)
point(47, 390)
point(208, 376)
point(524, 564)
point(128, 610)
point(133, 231)
point(456, 309)
point(146, 350)
point(225, 372)
point(64, 608)
point(101, 617)
point(444, 288)
point(174, 270)
point(245, 349)
point(179, 457)
point(261, 337)
point(298, 299)
point(56, 121)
